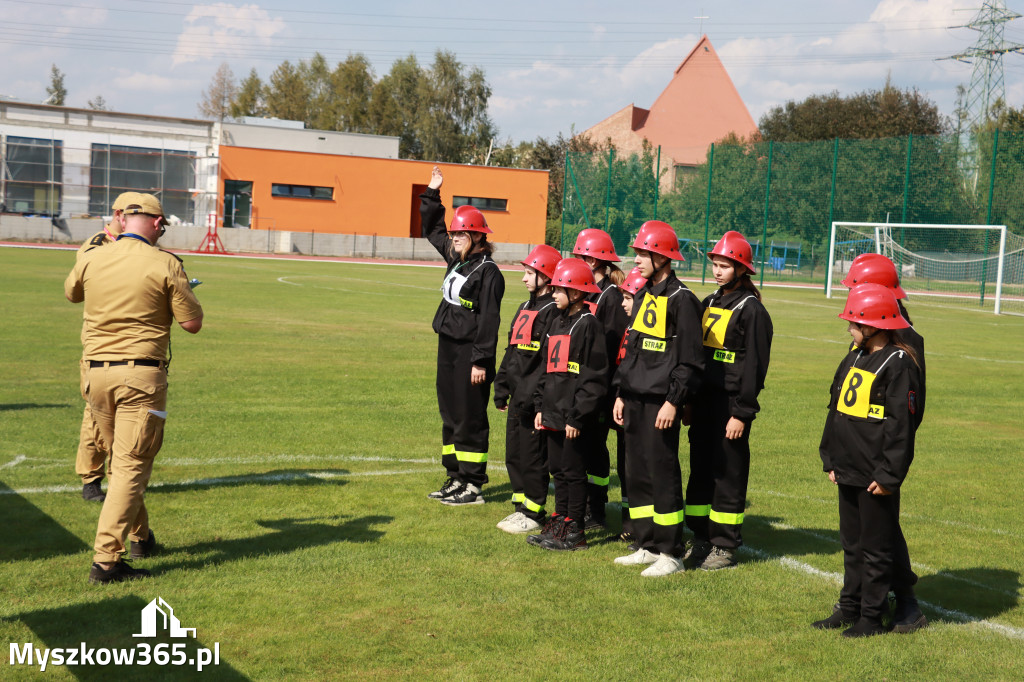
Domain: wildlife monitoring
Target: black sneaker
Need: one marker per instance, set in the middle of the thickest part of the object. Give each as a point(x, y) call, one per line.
point(465, 494)
point(908, 616)
point(450, 486)
point(696, 552)
point(594, 522)
point(865, 627)
point(551, 527)
point(118, 573)
point(571, 538)
point(144, 548)
point(837, 620)
point(92, 492)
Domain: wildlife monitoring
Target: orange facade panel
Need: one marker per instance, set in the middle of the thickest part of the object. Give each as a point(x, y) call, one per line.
point(306, 192)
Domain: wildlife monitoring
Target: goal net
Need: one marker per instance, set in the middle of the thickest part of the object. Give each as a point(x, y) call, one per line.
point(980, 266)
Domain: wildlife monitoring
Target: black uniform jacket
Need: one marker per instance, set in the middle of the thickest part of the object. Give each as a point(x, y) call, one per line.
point(916, 343)
point(574, 395)
point(523, 362)
point(869, 431)
point(740, 365)
point(473, 313)
point(608, 311)
point(667, 369)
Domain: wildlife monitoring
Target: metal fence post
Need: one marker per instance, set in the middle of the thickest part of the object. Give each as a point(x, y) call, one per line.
point(565, 190)
point(657, 183)
point(831, 207)
point(608, 191)
point(707, 212)
point(988, 215)
point(767, 199)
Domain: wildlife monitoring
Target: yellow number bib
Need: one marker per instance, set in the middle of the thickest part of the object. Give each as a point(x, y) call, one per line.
point(855, 395)
point(715, 323)
point(650, 319)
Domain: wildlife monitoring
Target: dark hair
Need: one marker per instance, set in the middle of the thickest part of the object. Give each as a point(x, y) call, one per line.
point(482, 246)
point(897, 339)
point(749, 285)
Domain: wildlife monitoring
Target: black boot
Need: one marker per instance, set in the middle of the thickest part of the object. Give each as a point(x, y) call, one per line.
point(571, 538)
point(551, 527)
point(908, 616)
point(865, 627)
point(837, 620)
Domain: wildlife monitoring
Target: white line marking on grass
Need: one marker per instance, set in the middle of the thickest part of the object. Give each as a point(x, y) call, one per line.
point(808, 338)
point(919, 567)
point(837, 578)
point(14, 462)
point(280, 459)
point(375, 283)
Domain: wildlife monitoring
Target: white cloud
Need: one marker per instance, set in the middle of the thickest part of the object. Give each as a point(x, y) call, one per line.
point(224, 30)
point(145, 83)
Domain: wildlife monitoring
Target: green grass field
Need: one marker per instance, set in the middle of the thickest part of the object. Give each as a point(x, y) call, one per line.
point(303, 436)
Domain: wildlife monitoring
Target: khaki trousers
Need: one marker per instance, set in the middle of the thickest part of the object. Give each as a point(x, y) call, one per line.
point(92, 453)
point(129, 405)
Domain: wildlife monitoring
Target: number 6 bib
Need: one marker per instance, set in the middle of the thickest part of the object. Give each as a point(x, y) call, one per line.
point(650, 318)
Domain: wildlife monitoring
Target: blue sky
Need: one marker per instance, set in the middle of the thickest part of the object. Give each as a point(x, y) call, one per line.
point(552, 65)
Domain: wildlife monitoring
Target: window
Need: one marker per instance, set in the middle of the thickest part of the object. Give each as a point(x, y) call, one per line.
point(35, 167)
point(483, 203)
point(167, 174)
point(302, 191)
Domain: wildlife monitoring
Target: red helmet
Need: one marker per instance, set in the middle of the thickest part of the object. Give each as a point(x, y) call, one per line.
point(634, 282)
point(469, 219)
point(543, 259)
point(874, 305)
point(874, 268)
point(658, 237)
point(573, 273)
point(736, 248)
point(595, 243)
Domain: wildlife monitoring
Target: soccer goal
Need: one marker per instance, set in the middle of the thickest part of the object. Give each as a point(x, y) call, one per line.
point(966, 265)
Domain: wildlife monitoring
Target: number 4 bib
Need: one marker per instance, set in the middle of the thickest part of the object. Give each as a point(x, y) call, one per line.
point(650, 319)
point(558, 353)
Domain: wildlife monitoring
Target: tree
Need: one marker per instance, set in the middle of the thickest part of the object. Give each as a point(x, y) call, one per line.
point(249, 98)
point(322, 98)
point(453, 123)
point(217, 98)
point(352, 85)
point(287, 93)
point(56, 90)
point(394, 106)
point(97, 103)
point(889, 112)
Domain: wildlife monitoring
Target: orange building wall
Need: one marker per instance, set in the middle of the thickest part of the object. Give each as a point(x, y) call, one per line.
point(379, 196)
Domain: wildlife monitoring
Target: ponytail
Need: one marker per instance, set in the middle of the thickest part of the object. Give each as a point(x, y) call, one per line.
point(749, 285)
point(897, 339)
point(616, 275)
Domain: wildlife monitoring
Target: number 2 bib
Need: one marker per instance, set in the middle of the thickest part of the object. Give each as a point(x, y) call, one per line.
point(715, 323)
point(522, 328)
point(855, 395)
point(650, 319)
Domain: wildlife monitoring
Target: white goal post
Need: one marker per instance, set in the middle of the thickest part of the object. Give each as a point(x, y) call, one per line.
point(979, 266)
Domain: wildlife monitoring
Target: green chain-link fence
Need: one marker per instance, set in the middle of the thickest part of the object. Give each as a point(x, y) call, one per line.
point(784, 196)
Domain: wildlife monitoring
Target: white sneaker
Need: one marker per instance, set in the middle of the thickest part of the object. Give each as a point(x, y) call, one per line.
point(641, 557)
point(520, 523)
point(665, 565)
point(511, 517)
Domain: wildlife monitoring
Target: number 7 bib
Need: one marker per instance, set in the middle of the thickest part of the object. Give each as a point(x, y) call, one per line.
point(650, 318)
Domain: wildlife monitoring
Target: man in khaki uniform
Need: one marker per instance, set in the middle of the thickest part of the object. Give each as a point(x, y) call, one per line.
point(92, 453)
point(132, 292)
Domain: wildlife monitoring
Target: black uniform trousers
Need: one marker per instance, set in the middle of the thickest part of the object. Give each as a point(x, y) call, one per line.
point(868, 530)
point(716, 494)
point(598, 464)
point(620, 469)
point(655, 482)
point(465, 431)
point(567, 462)
point(903, 576)
point(527, 464)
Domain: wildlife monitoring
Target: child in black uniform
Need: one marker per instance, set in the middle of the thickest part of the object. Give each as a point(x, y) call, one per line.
point(514, 387)
point(466, 324)
point(866, 449)
point(631, 287)
point(596, 249)
point(659, 375)
point(737, 343)
point(874, 268)
point(568, 399)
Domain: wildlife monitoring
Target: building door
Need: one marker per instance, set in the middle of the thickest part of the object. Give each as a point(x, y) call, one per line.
point(415, 224)
point(237, 203)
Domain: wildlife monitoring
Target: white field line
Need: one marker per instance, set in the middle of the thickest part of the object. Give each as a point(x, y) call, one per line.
point(837, 579)
point(918, 517)
point(14, 462)
point(376, 283)
point(919, 567)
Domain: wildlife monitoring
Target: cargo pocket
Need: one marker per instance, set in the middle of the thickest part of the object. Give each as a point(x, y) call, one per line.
point(150, 435)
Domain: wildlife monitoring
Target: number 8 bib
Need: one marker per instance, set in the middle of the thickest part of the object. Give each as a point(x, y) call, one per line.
point(855, 394)
point(650, 318)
